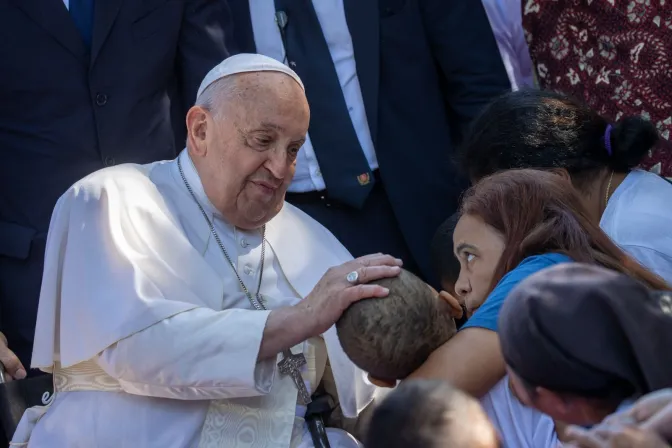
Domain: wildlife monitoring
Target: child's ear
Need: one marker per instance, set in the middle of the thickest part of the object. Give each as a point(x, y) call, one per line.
point(382, 383)
point(455, 307)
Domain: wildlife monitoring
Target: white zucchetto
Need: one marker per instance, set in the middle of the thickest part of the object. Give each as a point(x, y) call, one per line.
point(245, 63)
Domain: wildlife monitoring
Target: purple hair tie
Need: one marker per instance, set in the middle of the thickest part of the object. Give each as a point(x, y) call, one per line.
point(607, 139)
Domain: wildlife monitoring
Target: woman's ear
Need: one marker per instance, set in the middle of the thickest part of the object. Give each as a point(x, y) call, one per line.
point(382, 383)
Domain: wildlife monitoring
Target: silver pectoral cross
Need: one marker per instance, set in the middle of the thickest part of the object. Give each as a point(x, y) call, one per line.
point(291, 365)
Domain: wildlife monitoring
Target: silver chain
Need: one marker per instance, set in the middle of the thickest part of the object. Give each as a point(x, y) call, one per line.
point(258, 303)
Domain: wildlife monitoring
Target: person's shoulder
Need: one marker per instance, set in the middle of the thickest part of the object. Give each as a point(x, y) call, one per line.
point(640, 202)
point(543, 260)
point(534, 263)
point(119, 182)
point(641, 190)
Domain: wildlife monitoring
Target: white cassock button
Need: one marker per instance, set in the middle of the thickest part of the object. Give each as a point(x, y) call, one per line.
point(248, 270)
point(318, 173)
point(244, 243)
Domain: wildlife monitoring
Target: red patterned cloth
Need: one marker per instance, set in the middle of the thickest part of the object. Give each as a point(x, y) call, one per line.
point(616, 55)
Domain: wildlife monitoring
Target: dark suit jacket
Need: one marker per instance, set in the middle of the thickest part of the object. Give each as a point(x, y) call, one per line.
point(66, 112)
point(426, 68)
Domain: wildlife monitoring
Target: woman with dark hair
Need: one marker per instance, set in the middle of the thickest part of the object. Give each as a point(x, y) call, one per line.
point(512, 225)
point(546, 130)
point(580, 341)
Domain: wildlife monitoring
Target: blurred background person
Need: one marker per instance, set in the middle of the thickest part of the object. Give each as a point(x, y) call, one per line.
point(85, 84)
point(430, 414)
point(392, 86)
point(614, 55)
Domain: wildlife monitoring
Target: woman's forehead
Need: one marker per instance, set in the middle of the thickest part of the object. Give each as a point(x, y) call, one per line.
point(472, 230)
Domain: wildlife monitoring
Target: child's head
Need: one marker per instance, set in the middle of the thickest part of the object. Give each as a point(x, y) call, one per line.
point(429, 414)
point(391, 337)
point(445, 264)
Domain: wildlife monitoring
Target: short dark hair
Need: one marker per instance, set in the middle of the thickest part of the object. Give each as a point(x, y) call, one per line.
point(391, 337)
point(446, 266)
point(426, 414)
point(544, 129)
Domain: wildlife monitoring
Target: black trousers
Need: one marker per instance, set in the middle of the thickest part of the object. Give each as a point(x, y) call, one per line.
point(372, 229)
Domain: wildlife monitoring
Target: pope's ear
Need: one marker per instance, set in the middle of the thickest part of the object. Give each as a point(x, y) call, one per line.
point(197, 126)
point(382, 383)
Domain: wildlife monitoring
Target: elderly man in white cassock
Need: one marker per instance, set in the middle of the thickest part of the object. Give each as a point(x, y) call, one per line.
point(184, 304)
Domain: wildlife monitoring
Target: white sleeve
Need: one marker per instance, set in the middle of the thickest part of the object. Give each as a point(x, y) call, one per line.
point(655, 261)
point(199, 354)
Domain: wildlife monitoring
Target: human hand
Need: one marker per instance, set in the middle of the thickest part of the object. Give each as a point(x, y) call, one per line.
point(654, 412)
point(456, 310)
point(649, 404)
point(14, 370)
point(614, 436)
point(333, 294)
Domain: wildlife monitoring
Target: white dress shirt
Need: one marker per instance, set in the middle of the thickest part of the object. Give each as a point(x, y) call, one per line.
point(331, 15)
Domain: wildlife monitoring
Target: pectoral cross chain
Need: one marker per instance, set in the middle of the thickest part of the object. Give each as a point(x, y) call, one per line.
point(291, 365)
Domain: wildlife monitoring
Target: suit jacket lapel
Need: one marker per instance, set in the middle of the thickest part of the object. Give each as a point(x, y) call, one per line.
point(362, 17)
point(104, 13)
point(53, 17)
point(243, 33)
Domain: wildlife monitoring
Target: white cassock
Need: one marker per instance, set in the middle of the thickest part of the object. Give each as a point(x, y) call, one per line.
point(151, 340)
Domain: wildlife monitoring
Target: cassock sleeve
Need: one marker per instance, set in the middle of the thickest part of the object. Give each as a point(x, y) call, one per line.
point(123, 285)
point(200, 354)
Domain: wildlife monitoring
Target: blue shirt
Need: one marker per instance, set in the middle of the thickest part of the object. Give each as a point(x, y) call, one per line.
point(486, 316)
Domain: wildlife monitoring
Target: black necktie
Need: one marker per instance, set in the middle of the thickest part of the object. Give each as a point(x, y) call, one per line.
point(82, 14)
point(344, 167)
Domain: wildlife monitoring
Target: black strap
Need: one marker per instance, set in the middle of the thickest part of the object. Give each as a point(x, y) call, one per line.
point(321, 406)
point(344, 167)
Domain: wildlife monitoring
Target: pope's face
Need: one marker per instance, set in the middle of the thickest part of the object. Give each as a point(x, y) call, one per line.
point(251, 145)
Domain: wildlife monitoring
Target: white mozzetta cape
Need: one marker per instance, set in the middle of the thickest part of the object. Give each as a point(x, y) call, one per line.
point(126, 254)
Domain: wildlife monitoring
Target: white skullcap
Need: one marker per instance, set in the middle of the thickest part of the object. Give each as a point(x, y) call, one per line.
point(245, 63)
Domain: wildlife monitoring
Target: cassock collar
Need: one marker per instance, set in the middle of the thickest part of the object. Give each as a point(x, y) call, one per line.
point(197, 187)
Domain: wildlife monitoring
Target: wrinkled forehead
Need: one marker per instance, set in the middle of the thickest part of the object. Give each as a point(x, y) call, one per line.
point(267, 94)
point(277, 83)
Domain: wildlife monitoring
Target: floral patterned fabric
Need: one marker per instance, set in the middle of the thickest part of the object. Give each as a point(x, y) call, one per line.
point(616, 55)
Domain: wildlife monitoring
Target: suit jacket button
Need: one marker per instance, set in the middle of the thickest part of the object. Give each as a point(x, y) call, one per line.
point(109, 161)
point(101, 99)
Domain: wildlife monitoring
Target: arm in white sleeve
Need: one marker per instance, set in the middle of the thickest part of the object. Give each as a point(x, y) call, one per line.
point(199, 354)
point(655, 261)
